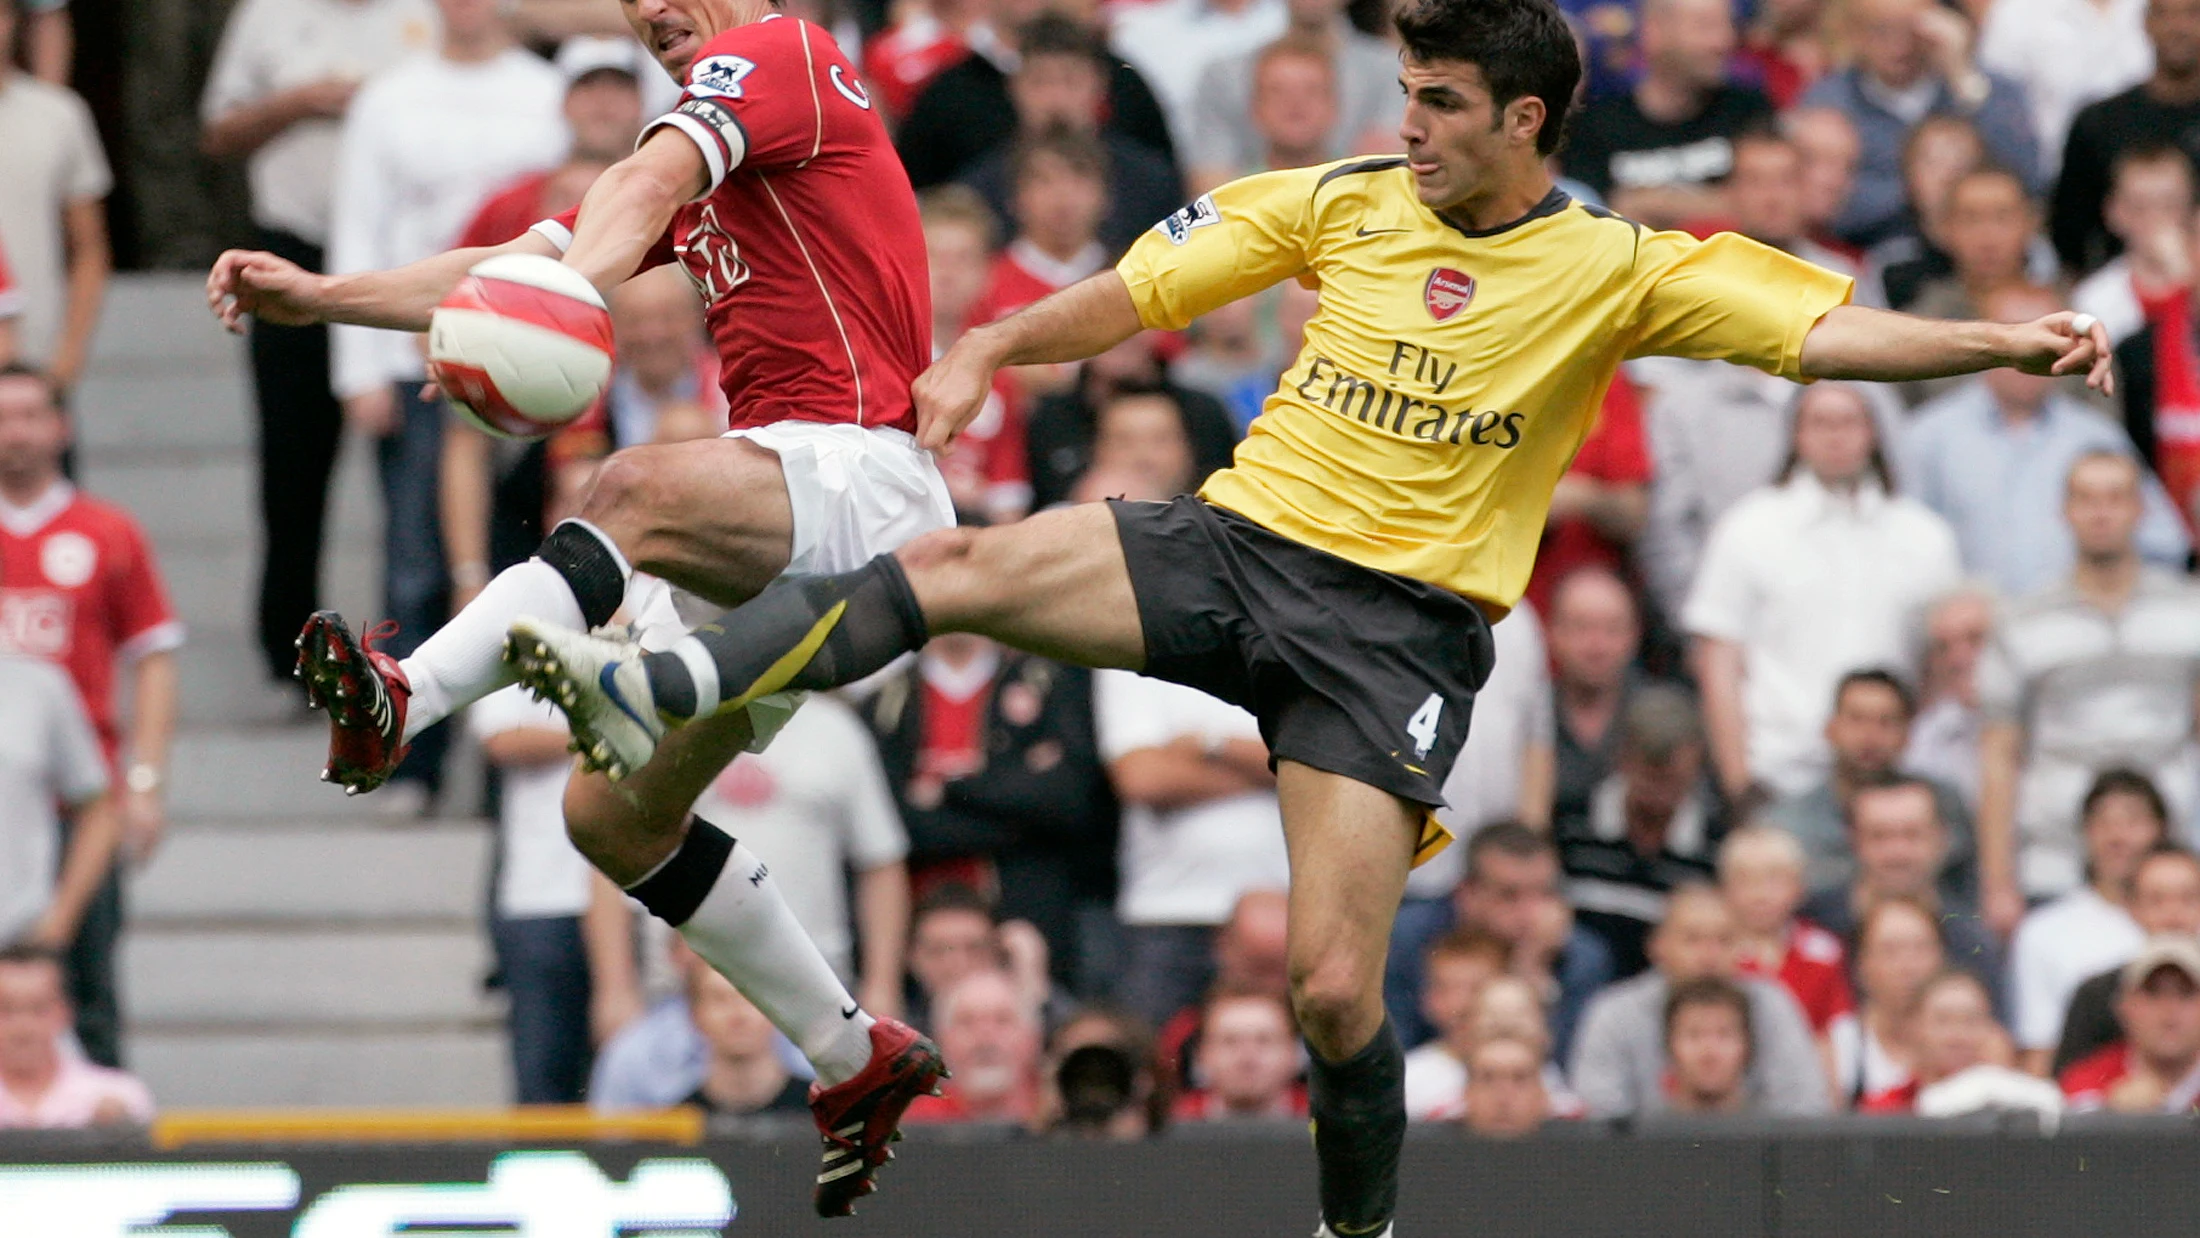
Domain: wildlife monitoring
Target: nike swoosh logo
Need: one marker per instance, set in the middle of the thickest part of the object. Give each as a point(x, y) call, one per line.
point(850, 1012)
point(1379, 231)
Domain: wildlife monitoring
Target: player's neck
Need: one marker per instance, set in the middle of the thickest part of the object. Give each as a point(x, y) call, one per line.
point(1503, 204)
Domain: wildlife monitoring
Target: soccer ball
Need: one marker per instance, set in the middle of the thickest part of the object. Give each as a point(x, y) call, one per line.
point(522, 346)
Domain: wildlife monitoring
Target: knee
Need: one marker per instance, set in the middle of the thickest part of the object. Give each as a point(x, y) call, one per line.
point(619, 497)
point(1337, 997)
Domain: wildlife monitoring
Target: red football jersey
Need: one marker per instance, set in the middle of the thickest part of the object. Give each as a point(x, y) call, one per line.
point(806, 245)
point(1814, 970)
point(78, 586)
point(903, 60)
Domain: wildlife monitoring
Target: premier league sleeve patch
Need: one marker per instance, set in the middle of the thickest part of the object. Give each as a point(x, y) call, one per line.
point(719, 77)
point(1178, 227)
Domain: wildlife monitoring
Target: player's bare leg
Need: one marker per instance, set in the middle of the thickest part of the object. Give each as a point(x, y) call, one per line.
point(711, 516)
point(1351, 846)
point(1055, 584)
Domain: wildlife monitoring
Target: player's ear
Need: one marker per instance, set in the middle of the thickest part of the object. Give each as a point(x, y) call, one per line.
point(1524, 119)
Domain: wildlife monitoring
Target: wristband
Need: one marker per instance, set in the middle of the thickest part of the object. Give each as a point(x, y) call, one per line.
point(142, 777)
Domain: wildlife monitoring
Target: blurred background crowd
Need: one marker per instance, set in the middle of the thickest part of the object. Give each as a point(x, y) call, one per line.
point(1842, 758)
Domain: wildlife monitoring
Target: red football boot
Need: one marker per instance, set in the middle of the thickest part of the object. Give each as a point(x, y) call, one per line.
point(365, 694)
point(859, 1117)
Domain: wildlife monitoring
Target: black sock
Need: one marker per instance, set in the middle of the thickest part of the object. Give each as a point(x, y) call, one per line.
point(591, 566)
point(680, 884)
point(804, 633)
point(1359, 1111)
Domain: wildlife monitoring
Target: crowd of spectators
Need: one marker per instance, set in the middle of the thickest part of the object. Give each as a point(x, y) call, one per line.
point(1842, 758)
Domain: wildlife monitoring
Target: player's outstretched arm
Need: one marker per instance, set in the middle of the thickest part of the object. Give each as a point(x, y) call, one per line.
point(1854, 342)
point(1083, 320)
point(275, 290)
point(629, 207)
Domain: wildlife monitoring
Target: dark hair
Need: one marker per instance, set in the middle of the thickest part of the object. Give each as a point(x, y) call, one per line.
point(1082, 152)
point(1051, 34)
point(18, 369)
point(951, 896)
point(1881, 677)
point(1513, 838)
point(1096, 1082)
point(2151, 153)
point(1467, 942)
point(2123, 780)
point(1893, 780)
point(1522, 47)
point(25, 953)
point(1716, 991)
point(1878, 461)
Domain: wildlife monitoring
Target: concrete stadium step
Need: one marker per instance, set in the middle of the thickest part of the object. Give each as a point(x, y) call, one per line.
point(151, 321)
point(315, 872)
point(457, 1065)
point(210, 497)
point(133, 412)
point(257, 773)
point(302, 976)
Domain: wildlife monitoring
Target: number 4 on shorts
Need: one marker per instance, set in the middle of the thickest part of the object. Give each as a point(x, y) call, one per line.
point(1421, 727)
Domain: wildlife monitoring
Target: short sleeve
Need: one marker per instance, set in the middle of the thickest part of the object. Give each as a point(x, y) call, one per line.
point(1130, 715)
point(875, 836)
point(88, 173)
point(764, 95)
point(1722, 600)
point(144, 621)
point(79, 770)
point(2000, 679)
point(11, 298)
point(237, 77)
point(1245, 236)
point(1730, 299)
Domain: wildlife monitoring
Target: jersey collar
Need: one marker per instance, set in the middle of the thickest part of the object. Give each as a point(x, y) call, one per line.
point(36, 514)
point(1553, 202)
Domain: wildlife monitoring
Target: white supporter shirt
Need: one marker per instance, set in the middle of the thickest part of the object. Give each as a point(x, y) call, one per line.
point(425, 142)
point(2057, 948)
point(1186, 865)
point(48, 757)
point(1512, 712)
point(272, 46)
point(812, 806)
point(2066, 53)
point(1812, 585)
point(49, 157)
point(539, 872)
point(2108, 295)
point(1171, 43)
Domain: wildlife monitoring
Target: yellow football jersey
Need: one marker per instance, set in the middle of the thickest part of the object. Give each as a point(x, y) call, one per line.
point(1449, 375)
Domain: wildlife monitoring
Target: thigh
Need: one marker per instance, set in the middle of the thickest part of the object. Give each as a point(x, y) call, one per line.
point(628, 828)
point(711, 516)
point(1055, 584)
point(1351, 846)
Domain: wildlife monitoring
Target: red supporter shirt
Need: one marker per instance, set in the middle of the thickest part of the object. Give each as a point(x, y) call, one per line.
point(1901, 1098)
point(904, 60)
point(78, 586)
point(1617, 452)
point(805, 245)
point(11, 297)
point(2088, 1081)
point(507, 213)
point(1815, 970)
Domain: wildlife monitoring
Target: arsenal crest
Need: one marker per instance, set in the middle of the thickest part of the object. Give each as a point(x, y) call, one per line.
point(1447, 292)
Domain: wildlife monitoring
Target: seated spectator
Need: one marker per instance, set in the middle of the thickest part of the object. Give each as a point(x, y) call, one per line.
point(1505, 1094)
point(967, 112)
point(1802, 581)
point(1989, 224)
point(1061, 82)
point(2069, 689)
point(1456, 968)
point(1831, 150)
point(2151, 197)
point(1867, 734)
point(1898, 948)
point(1944, 736)
point(1620, 1060)
point(1594, 634)
point(1141, 447)
point(1294, 109)
point(2161, 367)
point(952, 933)
point(1959, 1058)
point(42, 1087)
point(1200, 826)
point(1939, 152)
point(2159, 110)
point(2156, 1067)
point(53, 785)
point(1785, 44)
point(1709, 1043)
point(2062, 943)
point(1650, 827)
point(990, 1031)
point(1661, 152)
point(1993, 454)
point(1057, 196)
point(743, 1073)
point(1761, 875)
point(990, 755)
point(1100, 1078)
point(1250, 957)
point(2065, 54)
point(1059, 434)
point(1224, 138)
point(925, 40)
point(1602, 499)
point(11, 310)
point(989, 472)
point(1174, 42)
point(2165, 901)
point(1248, 1062)
point(1767, 196)
point(1511, 892)
point(1901, 848)
point(1914, 60)
point(1503, 1007)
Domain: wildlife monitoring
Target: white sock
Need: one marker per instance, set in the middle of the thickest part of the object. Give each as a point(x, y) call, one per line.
point(464, 660)
point(745, 929)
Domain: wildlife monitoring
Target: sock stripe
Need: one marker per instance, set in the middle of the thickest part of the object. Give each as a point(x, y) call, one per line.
point(680, 884)
point(780, 673)
point(702, 672)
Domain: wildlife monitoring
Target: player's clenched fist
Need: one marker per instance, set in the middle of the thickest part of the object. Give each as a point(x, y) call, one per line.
point(950, 393)
point(274, 290)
